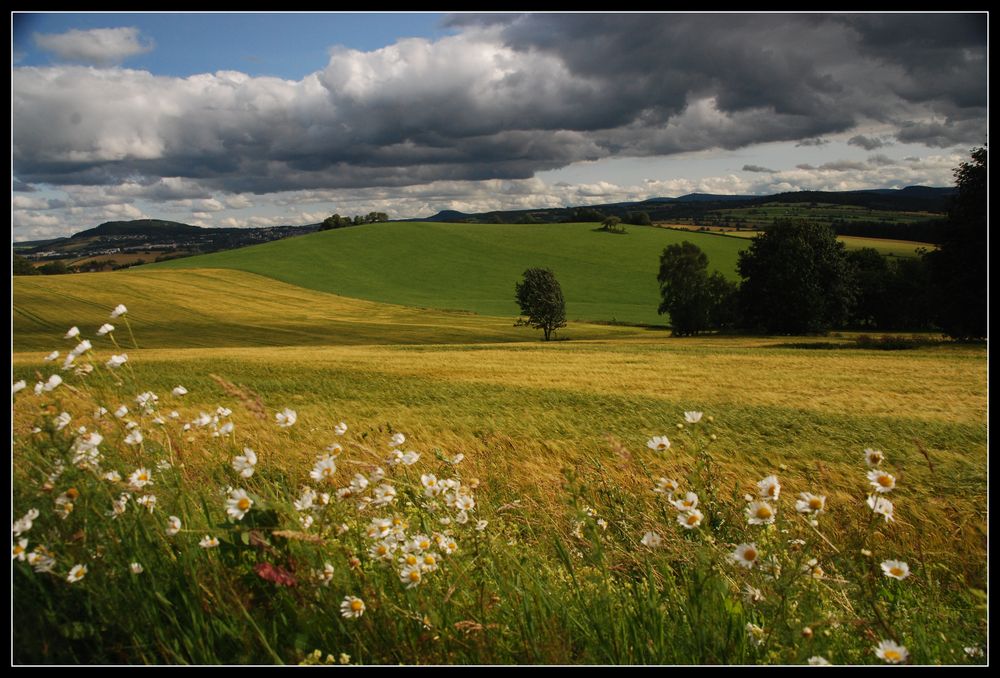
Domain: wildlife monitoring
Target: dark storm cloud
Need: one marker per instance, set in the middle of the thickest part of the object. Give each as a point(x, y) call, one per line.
point(868, 143)
point(508, 96)
point(758, 168)
point(19, 186)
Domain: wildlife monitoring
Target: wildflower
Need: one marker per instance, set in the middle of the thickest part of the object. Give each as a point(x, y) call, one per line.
point(52, 383)
point(76, 573)
point(117, 360)
point(690, 519)
point(449, 546)
point(813, 569)
point(238, 504)
point(810, 503)
point(62, 421)
point(324, 468)
point(430, 483)
point(818, 661)
point(73, 332)
point(105, 329)
point(384, 495)
point(658, 443)
point(409, 458)
point(752, 594)
point(866, 553)
point(873, 457)
point(244, 463)
point(652, 540)
point(666, 486)
point(379, 528)
point(456, 459)
point(306, 521)
point(19, 549)
point(692, 417)
point(352, 607)
point(769, 488)
point(760, 513)
point(397, 440)
point(429, 562)
point(411, 576)
point(376, 476)
point(223, 411)
point(465, 502)
point(119, 310)
point(134, 438)
point(208, 542)
point(756, 634)
point(148, 501)
point(688, 503)
point(119, 505)
point(973, 651)
point(100, 412)
point(81, 348)
point(344, 658)
point(745, 555)
point(881, 506)
point(340, 429)
point(286, 417)
point(602, 523)
point(136, 568)
point(64, 503)
point(147, 401)
point(326, 575)
point(420, 543)
point(39, 387)
point(179, 391)
point(306, 500)
point(174, 414)
point(881, 481)
point(41, 559)
point(462, 518)
point(896, 569)
point(481, 525)
point(140, 478)
point(359, 483)
point(173, 525)
point(17, 386)
point(891, 653)
point(50, 357)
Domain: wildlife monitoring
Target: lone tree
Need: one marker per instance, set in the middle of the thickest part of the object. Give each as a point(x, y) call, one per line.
point(796, 280)
point(695, 300)
point(613, 225)
point(541, 300)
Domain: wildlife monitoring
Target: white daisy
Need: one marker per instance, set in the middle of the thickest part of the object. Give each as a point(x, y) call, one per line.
point(148, 501)
point(873, 457)
point(881, 506)
point(238, 504)
point(810, 503)
point(116, 361)
point(692, 417)
point(286, 417)
point(19, 549)
point(340, 429)
point(119, 310)
point(881, 481)
point(244, 463)
point(397, 440)
point(658, 443)
point(352, 607)
point(62, 421)
point(50, 357)
point(17, 386)
point(76, 573)
point(891, 653)
point(411, 576)
point(136, 568)
point(52, 382)
point(384, 494)
point(687, 503)
point(105, 329)
point(324, 469)
point(818, 661)
point(208, 542)
point(81, 348)
point(179, 391)
point(134, 437)
point(652, 540)
point(896, 569)
point(760, 513)
point(73, 332)
point(690, 519)
point(666, 486)
point(769, 488)
point(409, 458)
point(173, 525)
point(745, 555)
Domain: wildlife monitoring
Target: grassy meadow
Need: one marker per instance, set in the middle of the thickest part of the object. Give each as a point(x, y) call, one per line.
point(550, 532)
point(473, 267)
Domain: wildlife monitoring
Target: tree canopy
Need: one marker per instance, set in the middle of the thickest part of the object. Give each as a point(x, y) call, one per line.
point(695, 300)
point(540, 297)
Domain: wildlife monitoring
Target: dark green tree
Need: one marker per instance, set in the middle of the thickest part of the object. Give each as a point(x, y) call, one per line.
point(796, 280)
point(638, 218)
point(695, 300)
point(959, 266)
point(612, 225)
point(23, 266)
point(541, 300)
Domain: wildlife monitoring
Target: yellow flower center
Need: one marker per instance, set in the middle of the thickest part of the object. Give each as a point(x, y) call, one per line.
point(357, 605)
point(411, 559)
point(763, 512)
point(892, 655)
point(771, 490)
point(692, 519)
point(428, 560)
point(414, 575)
point(661, 446)
point(896, 571)
point(815, 503)
point(243, 504)
point(425, 544)
point(885, 481)
point(18, 550)
point(749, 554)
point(382, 549)
point(327, 472)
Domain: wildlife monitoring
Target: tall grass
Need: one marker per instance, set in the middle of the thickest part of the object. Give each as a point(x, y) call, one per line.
point(565, 574)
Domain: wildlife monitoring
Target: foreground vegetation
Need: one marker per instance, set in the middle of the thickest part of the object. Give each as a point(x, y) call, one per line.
point(566, 551)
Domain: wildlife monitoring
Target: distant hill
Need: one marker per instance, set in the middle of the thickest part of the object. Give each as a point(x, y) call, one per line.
point(697, 205)
point(147, 227)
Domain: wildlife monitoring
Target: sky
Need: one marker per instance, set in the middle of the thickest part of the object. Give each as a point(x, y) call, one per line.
point(253, 119)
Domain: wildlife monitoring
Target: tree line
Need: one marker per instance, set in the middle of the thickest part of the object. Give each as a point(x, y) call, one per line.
point(337, 221)
point(797, 278)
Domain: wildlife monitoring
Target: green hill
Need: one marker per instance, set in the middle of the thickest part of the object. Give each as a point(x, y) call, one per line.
point(474, 267)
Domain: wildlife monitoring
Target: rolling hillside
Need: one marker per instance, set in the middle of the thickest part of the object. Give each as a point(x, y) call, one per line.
point(469, 267)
